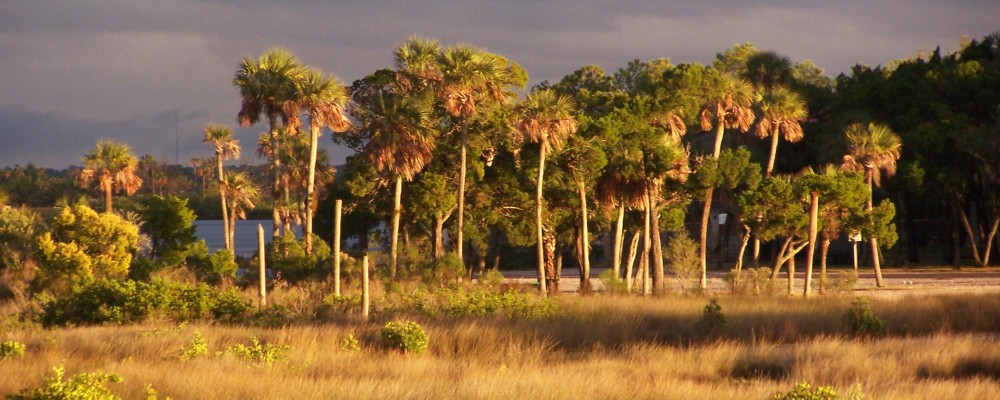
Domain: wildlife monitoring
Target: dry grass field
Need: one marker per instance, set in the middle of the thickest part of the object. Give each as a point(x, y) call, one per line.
point(600, 347)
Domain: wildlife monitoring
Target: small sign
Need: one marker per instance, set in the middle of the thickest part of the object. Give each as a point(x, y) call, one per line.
point(855, 236)
point(722, 218)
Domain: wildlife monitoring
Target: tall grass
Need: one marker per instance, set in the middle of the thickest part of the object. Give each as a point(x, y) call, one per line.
point(936, 347)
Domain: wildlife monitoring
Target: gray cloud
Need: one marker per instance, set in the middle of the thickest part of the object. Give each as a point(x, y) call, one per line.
point(73, 72)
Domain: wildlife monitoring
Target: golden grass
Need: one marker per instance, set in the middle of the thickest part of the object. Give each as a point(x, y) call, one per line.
point(604, 347)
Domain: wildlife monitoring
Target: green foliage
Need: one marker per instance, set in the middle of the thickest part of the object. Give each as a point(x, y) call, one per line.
point(213, 268)
point(85, 386)
point(492, 278)
point(444, 272)
point(843, 281)
point(343, 304)
point(804, 391)
point(683, 261)
point(861, 320)
point(287, 256)
point(82, 245)
point(18, 228)
point(407, 337)
point(350, 343)
point(882, 226)
point(712, 322)
point(122, 302)
point(258, 353)
point(197, 348)
point(169, 223)
point(11, 349)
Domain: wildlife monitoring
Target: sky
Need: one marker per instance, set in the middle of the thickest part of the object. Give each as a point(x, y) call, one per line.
point(152, 74)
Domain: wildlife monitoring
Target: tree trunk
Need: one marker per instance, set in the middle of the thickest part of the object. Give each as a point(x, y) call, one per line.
point(969, 233)
point(438, 236)
point(659, 282)
point(276, 175)
point(311, 188)
point(791, 274)
point(461, 194)
point(232, 229)
point(365, 292)
point(743, 249)
point(647, 287)
point(823, 251)
point(774, 153)
point(813, 230)
point(551, 280)
point(705, 213)
point(619, 241)
point(779, 260)
point(336, 246)
point(633, 249)
point(538, 218)
point(107, 200)
point(585, 241)
point(874, 241)
point(222, 196)
point(397, 209)
point(260, 258)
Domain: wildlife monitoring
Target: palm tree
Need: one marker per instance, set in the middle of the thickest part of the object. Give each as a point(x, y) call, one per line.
point(241, 194)
point(268, 86)
point(728, 108)
point(401, 143)
point(873, 149)
point(547, 119)
point(781, 112)
point(323, 98)
point(467, 77)
point(112, 166)
point(220, 137)
point(768, 70)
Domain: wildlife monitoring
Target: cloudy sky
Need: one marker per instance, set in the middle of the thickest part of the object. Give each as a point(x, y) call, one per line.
point(72, 72)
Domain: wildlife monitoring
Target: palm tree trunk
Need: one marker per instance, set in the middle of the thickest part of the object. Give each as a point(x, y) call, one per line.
point(276, 176)
point(703, 239)
point(260, 258)
point(311, 188)
point(222, 196)
point(107, 200)
point(538, 215)
point(461, 195)
point(823, 251)
point(813, 230)
point(874, 241)
point(774, 153)
point(338, 208)
point(397, 208)
point(619, 240)
point(658, 275)
point(633, 248)
point(646, 245)
point(585, 240)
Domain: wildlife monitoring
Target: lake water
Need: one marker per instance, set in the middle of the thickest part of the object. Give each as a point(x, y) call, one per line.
point(245, 237)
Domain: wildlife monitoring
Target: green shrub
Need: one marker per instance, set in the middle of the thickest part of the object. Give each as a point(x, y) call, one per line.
point(350, 343)
point(343, 304)
point(750, 281)
point(803, 391)
point(444, 272)
point(212, 268)
point(87, 386)
point(492, 278)
point(287, 256)
point(843, 281)
point(713, 321)
point(11, 349)
point(861, 320)
point(481, 301)
point(259, 353)
point(683, 261)
point(408, 337)
point(197, 348)
point(122, 302)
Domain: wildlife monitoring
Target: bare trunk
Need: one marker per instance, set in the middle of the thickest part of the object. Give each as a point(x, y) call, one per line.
point(791, 274)
point(461, 193)
point(989, 241)
point(633, 249)
point(276, 176)
point(743, 248)
point(969, 233)
point(659, 283)
point(397, 209)
point(107, 200)
point(538, 220)
point(551, 278)
point(823, 251)
point(585, 241)
point(365, 292)
point(873, 240)
point(336, 246)
point(311, 188)
point(438, 236)
point(222, 196)
point(774, 153)
point(647, 287)
point(619, 240)
point(813, 230)
point(260, 258)
point(703, 237)
point(779, 259)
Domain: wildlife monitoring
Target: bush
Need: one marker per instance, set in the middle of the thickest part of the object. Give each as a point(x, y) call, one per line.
point(408, 337)
point(713, 321)
point(89, 386)
point(350, 343)
point(683, 261)
point(492, 278)
point(612, 282)
point(750, 281)
point(480, 302)
point(213, 268)
point(861, 320)
point(444, 272)
point(197, 348)
point(287, 256)
point(259, 353)
point(803, 391)
point(122, 302)
point(11, 349)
